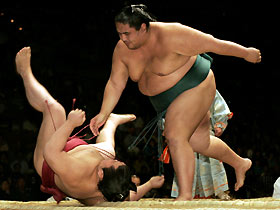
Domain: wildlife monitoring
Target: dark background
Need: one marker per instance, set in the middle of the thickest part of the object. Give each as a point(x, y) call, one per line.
point(72, 48)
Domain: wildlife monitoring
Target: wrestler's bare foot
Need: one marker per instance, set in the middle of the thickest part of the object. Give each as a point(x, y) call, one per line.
point(23, 61)
point(240, 173)
point(36, 94)
point(119, 119)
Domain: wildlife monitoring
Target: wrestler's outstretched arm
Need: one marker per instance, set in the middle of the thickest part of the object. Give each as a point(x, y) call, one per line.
point(189, 41)
point(154, 182)
point(112, 93)
point(53, 152)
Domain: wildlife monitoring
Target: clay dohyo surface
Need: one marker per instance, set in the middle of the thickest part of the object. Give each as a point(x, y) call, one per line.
point(153, 204)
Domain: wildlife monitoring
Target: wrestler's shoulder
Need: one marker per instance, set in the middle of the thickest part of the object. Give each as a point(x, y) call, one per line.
point(93, 200)
point(120, 47)
point(168, 30)
point(121, 50)
point(167, 25)
point(174, 28)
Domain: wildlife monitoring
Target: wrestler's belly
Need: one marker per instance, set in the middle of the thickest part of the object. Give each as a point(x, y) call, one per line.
point(151, 84)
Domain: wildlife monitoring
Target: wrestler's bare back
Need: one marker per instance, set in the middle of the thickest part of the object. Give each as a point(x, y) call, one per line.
point(89, 158)
point(157, 65)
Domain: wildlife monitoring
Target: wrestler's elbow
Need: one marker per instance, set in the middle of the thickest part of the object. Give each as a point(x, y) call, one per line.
point(213, 44)
point(49, 153)
point(58, 163)
point(116, 86)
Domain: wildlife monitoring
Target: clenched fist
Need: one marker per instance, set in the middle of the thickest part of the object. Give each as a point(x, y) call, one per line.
point(254, 55)
point(77, 117)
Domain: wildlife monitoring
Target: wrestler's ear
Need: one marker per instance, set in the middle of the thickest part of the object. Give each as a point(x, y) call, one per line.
point(100, 173)
point(143, 27)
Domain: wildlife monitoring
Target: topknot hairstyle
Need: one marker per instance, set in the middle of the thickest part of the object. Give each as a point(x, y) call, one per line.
point(135, 15)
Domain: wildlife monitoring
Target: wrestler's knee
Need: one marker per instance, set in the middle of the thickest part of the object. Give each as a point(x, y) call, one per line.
point(54, 108)
point(174, 138)
point(200, 143)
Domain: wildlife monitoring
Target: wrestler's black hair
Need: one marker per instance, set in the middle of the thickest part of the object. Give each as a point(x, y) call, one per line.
point(116, 183)
point(134, 16)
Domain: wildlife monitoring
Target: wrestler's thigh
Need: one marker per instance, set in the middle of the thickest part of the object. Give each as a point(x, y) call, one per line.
point(53, 117)
point(187, 111)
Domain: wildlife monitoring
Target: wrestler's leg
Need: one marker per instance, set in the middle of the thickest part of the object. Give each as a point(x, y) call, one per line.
point(182, 118)
point(188, 118)
point(216, 148)
point(106, 138)
point(37, 96)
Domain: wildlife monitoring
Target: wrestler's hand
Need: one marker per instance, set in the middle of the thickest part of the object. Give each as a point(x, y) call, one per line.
point(97, 122)
point(218, 132)
point(157, 181)
point(254, 55)
point(76, 117)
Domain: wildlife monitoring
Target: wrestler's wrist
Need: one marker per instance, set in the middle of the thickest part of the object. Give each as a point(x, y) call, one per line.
point(246, 53)
point(150, 183)
point(70, 123)
point(104, 115)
